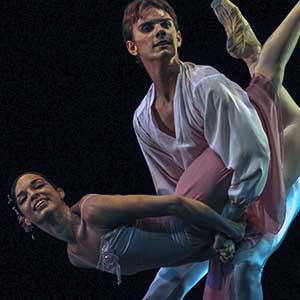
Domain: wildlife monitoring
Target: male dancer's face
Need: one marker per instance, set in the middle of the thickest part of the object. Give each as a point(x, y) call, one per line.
point(154, 36)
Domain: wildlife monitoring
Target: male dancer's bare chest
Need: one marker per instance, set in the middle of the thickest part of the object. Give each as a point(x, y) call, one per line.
point(184, 125)
point(164, 116)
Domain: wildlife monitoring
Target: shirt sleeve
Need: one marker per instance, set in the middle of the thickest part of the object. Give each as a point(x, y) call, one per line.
point(233, 130)
point(164, 172)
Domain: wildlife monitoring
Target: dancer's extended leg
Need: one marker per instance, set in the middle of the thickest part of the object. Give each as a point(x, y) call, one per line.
point(279, 47)
point(275, 54)
point(270, 61)
point(242, 43)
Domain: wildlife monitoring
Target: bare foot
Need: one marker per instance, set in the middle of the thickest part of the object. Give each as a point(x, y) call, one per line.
point(241, 40)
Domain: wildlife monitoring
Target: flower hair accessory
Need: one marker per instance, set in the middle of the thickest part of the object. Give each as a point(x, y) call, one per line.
point(21, 219)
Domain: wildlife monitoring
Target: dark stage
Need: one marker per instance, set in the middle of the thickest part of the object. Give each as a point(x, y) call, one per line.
point(68, 93)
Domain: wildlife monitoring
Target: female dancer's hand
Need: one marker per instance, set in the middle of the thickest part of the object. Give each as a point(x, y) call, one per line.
point(224, 247)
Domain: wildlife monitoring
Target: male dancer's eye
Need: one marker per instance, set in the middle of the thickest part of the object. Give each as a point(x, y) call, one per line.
point(166, 24)
point(146, 28)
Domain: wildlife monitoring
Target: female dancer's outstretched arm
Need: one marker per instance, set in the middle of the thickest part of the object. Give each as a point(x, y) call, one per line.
point(115, 210)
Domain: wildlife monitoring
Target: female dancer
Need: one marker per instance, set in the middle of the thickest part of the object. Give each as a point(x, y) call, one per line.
point(106, 231)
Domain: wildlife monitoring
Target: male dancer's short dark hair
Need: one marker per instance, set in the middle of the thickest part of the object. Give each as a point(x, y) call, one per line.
point(134, 9)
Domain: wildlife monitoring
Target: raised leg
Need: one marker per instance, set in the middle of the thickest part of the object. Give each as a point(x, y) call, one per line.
point(242, 43)
point(272, 62)
point(279, 47)
point(241, 40)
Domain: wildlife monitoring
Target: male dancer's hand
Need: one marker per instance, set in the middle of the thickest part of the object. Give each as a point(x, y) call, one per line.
point(224, 247)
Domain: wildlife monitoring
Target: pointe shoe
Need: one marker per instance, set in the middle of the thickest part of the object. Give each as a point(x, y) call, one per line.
point(241, 40)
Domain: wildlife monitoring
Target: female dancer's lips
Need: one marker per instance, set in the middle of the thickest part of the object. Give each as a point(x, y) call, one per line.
point(40, 204)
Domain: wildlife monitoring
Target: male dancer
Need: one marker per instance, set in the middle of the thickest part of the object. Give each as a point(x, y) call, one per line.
point(182, 114)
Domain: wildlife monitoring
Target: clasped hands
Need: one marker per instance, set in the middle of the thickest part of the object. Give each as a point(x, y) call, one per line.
point(224, 247)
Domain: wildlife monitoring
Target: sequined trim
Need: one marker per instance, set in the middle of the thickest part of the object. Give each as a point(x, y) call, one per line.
point(108, 261)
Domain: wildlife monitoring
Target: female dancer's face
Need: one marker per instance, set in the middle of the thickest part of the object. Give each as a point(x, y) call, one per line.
point(37, 198)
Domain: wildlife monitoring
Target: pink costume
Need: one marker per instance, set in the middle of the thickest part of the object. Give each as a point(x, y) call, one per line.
point(211, 111)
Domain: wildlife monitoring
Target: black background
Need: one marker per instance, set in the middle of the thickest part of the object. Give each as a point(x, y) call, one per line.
point(68, 93)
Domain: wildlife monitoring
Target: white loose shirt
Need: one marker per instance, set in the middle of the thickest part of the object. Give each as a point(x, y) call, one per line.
point(209, 110)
